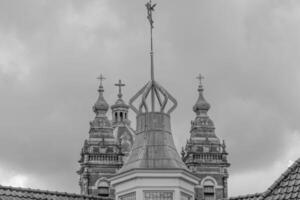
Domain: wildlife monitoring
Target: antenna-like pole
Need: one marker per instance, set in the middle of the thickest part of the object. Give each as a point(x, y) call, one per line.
point(150, 8)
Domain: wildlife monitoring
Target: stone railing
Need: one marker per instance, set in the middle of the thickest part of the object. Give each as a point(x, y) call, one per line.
point(208, 157)
point(105, 158)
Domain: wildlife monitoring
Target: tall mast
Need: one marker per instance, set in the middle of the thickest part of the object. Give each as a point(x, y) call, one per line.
point(150, 9)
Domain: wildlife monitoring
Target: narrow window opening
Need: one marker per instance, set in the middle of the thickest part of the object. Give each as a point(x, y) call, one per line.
point(121, 116)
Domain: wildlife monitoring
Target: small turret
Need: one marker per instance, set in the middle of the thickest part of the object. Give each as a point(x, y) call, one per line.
point(123, 133)
point(204, 154)
point(120, 108)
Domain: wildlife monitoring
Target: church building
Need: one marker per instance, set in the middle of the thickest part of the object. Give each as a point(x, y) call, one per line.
point(118, 162)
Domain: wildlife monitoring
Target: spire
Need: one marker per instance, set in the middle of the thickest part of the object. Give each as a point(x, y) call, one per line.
point(101, 106)
point(159, 95)
point(201, 106)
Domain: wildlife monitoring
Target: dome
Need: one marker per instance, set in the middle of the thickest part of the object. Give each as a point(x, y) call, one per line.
point(101, 106)
point(120, 103)
point(201, 104)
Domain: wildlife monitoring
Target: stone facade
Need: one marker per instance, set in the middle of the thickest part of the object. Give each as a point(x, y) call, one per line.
point(205, 155)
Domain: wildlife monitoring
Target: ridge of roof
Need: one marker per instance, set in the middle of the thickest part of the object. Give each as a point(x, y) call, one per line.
point(38, 191)
point(247, 197)
point(280, 179)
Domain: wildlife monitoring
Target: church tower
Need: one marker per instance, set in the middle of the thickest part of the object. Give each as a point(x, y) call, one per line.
point(123, 132)
point(205, 155)
point(101, 155)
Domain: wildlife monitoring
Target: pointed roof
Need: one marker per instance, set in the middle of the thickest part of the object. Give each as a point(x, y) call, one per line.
point(287, 186)
point(154, 146)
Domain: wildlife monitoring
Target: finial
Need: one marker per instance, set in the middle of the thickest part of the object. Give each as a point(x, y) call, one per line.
point(182, 152)
point(101, 78)
point(120, 85)
point(200, 78)
point(223, 147)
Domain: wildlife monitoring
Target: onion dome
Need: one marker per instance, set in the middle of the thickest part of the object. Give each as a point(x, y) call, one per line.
point(120, 102)
point(101, 106)
point(201, 106)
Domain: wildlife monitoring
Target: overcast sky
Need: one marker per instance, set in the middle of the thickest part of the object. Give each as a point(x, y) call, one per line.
point(52, 51)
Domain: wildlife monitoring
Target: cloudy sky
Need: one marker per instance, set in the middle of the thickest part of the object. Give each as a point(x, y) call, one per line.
point(52, 51)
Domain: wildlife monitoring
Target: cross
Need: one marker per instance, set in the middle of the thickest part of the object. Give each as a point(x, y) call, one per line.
point(200, 78)
point(120, 85)
point(101, 78)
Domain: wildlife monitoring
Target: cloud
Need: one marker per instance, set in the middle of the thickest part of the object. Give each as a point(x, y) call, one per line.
point(84, 22)
point(52, 51)
point(14, 60)
point(270, 174)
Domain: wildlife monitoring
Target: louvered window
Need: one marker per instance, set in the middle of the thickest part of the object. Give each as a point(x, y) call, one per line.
point(158, 195)
point(209, 190)
point(103, 191)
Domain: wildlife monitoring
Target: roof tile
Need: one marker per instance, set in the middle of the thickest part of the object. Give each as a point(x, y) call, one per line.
point(12, 193)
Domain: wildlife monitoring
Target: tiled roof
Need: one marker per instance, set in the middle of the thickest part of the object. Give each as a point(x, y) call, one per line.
point(287, 186)
point(247, 197)
point(12, 193)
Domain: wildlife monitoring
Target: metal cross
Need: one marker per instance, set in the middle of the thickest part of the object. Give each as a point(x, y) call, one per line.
point(120, 85)
point(200, 78)
point(101, 78)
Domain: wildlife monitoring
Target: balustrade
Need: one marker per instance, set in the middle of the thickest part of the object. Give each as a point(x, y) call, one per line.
point(208, 157)
point(105, 158)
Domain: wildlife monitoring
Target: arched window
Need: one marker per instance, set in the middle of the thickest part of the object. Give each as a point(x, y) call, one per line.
point(209, 190)
point(116, 116)
point(121, 116)
point(103, 188)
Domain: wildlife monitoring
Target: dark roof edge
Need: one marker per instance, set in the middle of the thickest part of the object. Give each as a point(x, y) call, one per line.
point(286, 173)
point(257, 195)
point(19, 189)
